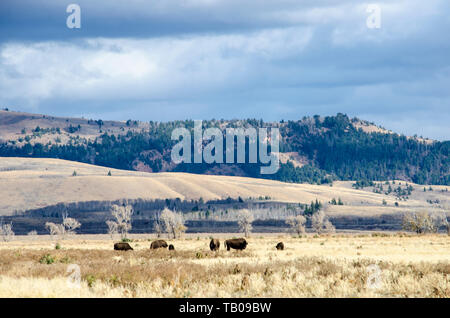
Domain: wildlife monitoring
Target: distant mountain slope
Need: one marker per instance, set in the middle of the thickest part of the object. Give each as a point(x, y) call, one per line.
point(31, 183)
point(315, 150)
point(16, 126)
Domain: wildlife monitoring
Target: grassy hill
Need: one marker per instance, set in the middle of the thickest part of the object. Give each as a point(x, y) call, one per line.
point(30, 183)
point(15, 126)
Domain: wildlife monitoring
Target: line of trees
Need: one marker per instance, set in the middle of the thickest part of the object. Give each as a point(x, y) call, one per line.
point(168, 221)
point(320, 223)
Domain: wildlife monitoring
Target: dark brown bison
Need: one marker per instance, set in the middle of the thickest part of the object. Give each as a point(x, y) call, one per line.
point(280, 246)
point(237, 244)
point(158, 244)
point(171, 247)
point(122, 247)
point(214, 245)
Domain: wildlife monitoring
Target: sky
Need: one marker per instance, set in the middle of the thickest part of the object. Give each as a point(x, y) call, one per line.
point(203, 59)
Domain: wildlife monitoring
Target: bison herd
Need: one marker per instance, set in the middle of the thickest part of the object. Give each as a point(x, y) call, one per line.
point(214, 245)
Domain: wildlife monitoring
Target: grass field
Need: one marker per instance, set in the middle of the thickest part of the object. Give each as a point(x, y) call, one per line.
point(338, 265)
point(30, 183)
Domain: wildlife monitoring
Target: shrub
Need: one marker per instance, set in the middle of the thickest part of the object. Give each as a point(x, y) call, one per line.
point(65, 260)
point(47, 259)
point(90, 279)
point(114, 280)
point(199, 255)
point(237, 269)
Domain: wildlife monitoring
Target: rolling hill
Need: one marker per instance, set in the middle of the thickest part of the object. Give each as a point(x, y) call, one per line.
point(317, 150)
point(31, 183)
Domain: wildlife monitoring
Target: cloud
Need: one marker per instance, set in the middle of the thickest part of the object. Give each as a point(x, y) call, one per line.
point(163, 60)
point(154, 68)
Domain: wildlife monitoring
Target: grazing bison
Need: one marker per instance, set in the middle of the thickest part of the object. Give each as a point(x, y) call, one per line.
point(122, 247)
point(214, 245)
point(158, 244)
point(171, 247)
point(237, 244)
point(280, 246)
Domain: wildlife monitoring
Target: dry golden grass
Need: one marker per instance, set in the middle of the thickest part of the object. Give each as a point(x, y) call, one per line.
point(28, 183)
point(325, 266)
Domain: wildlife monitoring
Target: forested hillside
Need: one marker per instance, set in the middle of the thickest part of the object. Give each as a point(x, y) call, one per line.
point(336, 146)
point(331, 148)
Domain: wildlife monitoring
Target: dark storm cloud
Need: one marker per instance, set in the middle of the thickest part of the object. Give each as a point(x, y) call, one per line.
point(163, 60)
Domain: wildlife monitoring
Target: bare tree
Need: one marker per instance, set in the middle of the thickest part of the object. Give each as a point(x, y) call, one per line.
point(122, 215)
point(112, 228)
point(69, 224)
point(6, 232)
point(445, 223)
point(157, 228)
point(245, 220)
point(296, 224)
point(173, 223)
point(420, 222)
point(54, 229)
point(321, 224)
point(329, 227)
point(439, 219)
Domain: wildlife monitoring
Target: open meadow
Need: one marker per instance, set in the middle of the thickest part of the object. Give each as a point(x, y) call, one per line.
point(30, 183)
point(334, 265)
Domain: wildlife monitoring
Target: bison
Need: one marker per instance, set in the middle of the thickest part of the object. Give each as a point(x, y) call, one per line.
point(280, 246)
point(158, 244)
point(122, 247)
point(214, 245)
point(237, 244)
point(171, 247)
